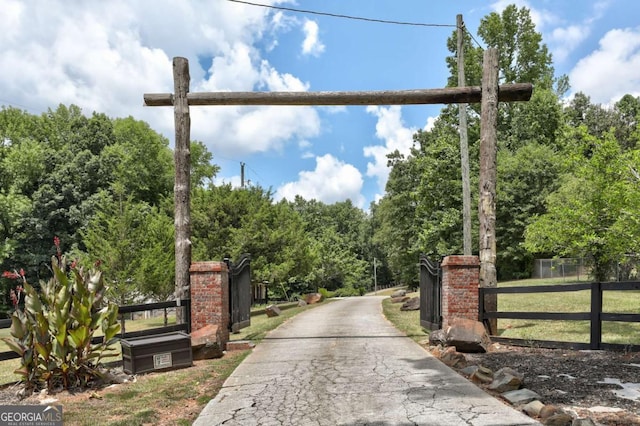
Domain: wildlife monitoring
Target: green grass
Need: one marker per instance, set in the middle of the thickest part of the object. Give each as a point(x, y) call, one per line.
point(406, 321)
point(172, 397)
point(574, 301)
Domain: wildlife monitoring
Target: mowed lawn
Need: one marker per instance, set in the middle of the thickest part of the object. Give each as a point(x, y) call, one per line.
point(574, 301)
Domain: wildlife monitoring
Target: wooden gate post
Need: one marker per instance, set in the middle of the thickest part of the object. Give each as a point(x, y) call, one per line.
point(182, 185)
point(487, 202)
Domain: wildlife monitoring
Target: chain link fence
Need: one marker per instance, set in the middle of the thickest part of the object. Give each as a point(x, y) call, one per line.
point(577, 269)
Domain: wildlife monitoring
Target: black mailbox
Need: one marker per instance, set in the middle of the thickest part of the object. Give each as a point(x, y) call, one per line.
point(156, 352)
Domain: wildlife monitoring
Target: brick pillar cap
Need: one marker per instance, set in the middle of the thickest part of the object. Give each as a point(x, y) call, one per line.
point(459, 260)
point(211, 266)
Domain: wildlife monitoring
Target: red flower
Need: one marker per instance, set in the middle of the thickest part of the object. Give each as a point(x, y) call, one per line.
point(74, 264)
point(22, 272)
point(56, 242)
point(11, 275)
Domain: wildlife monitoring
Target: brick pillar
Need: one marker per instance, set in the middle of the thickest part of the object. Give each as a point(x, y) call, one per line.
point(460, 281)
point(210, 297)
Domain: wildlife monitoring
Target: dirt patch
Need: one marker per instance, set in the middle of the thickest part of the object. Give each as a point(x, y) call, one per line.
point(575, 380)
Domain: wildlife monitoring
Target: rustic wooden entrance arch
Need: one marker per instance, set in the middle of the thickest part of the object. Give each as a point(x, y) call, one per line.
point(489, 94)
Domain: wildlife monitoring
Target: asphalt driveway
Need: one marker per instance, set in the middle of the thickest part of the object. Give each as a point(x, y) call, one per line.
point(344, 364)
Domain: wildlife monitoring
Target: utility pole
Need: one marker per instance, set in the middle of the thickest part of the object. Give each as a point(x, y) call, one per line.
point(464, 146)
point(375, 276)
point(241, 175)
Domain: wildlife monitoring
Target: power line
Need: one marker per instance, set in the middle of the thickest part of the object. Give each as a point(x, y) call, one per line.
point(464, 28)
point(337, 15)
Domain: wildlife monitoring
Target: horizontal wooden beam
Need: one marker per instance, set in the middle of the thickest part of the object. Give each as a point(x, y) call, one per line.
point(451, 95)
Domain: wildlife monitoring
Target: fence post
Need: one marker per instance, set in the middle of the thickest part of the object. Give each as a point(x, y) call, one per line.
point(596, 312)
point(481, 304)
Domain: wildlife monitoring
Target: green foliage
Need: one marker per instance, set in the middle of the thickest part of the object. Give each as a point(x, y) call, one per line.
point(326, 294)
point(593, 213)
point(52, 333)
point(134, 243)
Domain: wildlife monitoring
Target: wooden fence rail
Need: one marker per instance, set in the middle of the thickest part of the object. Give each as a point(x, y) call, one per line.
point(595, 315)
point(184, 304)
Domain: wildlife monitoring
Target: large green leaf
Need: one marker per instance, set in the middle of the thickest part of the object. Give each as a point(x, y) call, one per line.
point(14, 346)
point(18, 328)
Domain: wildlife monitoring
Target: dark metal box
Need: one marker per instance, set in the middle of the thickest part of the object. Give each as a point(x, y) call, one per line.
point(156, 352)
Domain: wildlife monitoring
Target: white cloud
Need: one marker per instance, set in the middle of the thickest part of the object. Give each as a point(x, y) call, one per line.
point(311, 44)
point(391, 129)
point(610, 72)
point(103, 56)
point(431, 121)
point(331, 181)
point(540, 17)
point(565, 40)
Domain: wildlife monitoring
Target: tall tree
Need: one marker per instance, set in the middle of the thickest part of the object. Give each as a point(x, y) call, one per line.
point(592, 213)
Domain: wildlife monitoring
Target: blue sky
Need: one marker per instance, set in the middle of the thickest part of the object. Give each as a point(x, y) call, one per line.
point(103, 56)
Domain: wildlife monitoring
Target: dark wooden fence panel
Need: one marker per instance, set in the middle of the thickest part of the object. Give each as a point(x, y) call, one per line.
point(595, 316)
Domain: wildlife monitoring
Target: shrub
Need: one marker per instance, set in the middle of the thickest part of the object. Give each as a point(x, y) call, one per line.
point(346, 292)
point(53, 331)
point(326, 294)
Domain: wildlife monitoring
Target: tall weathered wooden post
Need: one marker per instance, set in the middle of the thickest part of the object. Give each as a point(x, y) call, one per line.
point(182, 184)
point(487, 202)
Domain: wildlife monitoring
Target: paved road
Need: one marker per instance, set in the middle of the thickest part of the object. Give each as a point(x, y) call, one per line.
point(345, 364)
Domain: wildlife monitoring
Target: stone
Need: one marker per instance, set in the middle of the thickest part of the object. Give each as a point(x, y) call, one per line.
point(240, 345)
point(312, 298)
point(273, 311)
point(549, 410)
point(599, 409)
point(204, 335)
point(520, 396)
point(206, 343)
point(412, 304)
point(208, 351)
point(587, 421)
point(453, 358)
point(437, 351)
point(467, 335)
point(400, 299)
point(533, 408)
point(506, 379)
point(301, 303)
point(399, 293)
point(559, 419)
point(482, 375)
point(469, 370)
point(437, 337)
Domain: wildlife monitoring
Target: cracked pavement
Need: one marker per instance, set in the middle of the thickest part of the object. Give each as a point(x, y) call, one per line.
point(344, 364)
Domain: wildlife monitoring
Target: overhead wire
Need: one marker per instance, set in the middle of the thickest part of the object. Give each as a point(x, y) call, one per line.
point(337, 15)
point(357, 18)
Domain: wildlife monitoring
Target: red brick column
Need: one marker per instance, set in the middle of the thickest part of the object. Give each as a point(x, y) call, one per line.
point(460, 281)
point(210, 297)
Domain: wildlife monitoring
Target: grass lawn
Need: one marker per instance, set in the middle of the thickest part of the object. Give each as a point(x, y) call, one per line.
point(406, 321)
point(575, 301)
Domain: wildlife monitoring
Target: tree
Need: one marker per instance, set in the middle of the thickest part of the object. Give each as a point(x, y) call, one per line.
point(592, 212)
point(115, 238)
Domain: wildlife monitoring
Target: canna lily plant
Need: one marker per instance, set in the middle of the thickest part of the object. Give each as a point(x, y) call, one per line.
point(53, 331)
